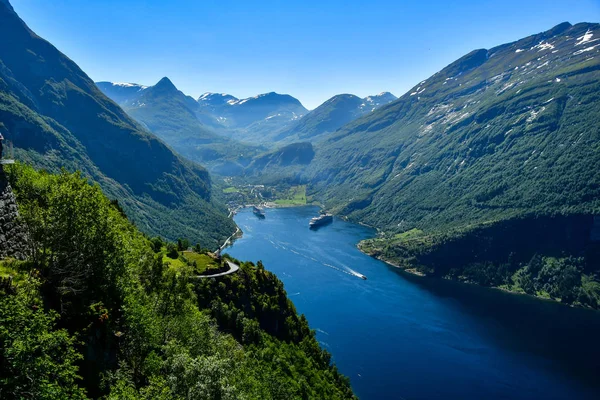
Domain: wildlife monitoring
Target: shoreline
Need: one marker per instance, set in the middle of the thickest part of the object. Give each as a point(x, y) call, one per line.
point(275, 205)
point(414, 272)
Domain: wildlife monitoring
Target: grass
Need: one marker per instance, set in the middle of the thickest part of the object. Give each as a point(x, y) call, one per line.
point(231, 189)
point(411, 234)
point(203, 261)
point(10, 268)
point(173, 262)
point(295, 196)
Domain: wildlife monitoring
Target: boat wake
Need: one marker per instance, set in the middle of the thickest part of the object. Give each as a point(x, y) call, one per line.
point(357, 274)
point(344, 269)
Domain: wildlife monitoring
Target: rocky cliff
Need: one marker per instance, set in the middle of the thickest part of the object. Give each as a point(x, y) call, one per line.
point(13, 235)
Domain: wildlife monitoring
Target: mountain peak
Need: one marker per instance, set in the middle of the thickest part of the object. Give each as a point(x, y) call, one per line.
point(166, 84)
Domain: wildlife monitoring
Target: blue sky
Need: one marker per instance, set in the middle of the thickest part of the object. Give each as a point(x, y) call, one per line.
point(309, 49)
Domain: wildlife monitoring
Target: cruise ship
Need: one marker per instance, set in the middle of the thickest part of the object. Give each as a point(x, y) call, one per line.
point(259, 212)
point(321, 220)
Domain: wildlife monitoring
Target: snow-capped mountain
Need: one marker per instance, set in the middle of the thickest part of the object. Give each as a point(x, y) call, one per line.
point(215, 100)
point(121, 92)
point(371, 103)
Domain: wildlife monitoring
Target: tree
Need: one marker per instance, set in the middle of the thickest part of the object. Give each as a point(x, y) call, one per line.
point(157, 244)
point(38, 361)
point(172, 251)
point(183, 244)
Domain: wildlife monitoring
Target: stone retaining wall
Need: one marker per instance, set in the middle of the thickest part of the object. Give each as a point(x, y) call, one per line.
point(13, 235)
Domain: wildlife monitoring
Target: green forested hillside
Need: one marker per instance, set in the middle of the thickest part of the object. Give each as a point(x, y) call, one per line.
point(94, 311)
point(283, 165)
point(56, 117)
point(556, 257)
point(498, 133)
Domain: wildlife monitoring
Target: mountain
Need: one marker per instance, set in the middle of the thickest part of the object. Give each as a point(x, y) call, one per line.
point(255, 118)
point(213, 101)
point(281, 165)
point(179, 120)
point(371, 103)
point(171, 115)
point(333, 114)
point(56, 117)
point(502, 132)
point(121, 93)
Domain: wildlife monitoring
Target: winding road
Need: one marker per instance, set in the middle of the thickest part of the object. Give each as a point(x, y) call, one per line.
point(232, 268)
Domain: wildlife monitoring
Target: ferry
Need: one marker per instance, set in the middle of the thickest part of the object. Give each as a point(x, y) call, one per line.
point(321, 220)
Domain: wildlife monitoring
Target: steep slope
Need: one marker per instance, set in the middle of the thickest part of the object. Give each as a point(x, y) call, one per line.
point(332, 115)
point(100, 312)
point(255, 119)
point(502, 132)
point(56, 117)
point(284, 164)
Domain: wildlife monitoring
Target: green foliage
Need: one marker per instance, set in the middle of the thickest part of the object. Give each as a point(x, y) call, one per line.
point(157, 244)
point(183, 244)
point(38, 360)
point(146, 330)
point(296, 196)
point(550, 257)
point(252, 305)
point(201, 262)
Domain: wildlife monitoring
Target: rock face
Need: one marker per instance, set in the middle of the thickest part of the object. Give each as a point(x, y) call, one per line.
point(13, 235)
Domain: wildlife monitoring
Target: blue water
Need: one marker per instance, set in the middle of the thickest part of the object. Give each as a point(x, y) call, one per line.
point(398, 336)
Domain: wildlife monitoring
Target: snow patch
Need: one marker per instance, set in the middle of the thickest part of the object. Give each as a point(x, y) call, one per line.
point(519, 50)
point(585, 38)
point(543, 46)
point(534, 114)
point(584, 50)
point(127, 84)
point(542, 65)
